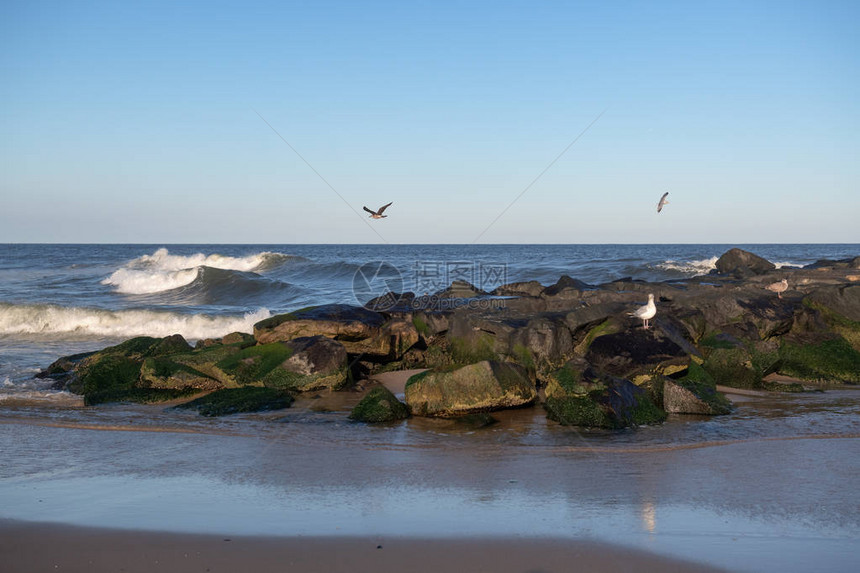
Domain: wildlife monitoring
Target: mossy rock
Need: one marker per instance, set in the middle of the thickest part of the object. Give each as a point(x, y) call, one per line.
point(106, 374)
point(827, 361)
point(379, 405)
point(787, 387)
point(569, 381)
point(252, 364)
point(690, 396)
point(174, 344)
point(578, 411)
point(607, 327)
point(733, 367)
point(483, 386)
point(471, 350)
point(206, 359)
point(238, 400)
point(577, 395)
point(163, 372)
point(137, 395)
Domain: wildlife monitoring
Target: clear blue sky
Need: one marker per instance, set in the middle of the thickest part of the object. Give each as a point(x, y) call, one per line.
point(136, 122)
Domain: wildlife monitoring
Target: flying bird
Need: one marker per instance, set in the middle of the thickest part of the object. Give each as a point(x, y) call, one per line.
point(378, 214)
point(646, 312)
point(663, 202)
point(778, 287)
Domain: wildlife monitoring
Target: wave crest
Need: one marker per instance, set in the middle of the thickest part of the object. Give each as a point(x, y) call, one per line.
point(59, 320)
point(162, 271)
point(690, 268)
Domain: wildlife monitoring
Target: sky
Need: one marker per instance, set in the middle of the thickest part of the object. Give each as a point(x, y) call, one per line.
point(491, 122)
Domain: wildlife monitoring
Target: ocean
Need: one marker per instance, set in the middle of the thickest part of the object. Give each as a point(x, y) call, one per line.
point(57, 300)
point(765, 488)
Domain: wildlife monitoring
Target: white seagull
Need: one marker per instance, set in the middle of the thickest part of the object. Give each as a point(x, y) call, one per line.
point(663, 202)
point(778, 287)
point(378, 214)
point(646, 312)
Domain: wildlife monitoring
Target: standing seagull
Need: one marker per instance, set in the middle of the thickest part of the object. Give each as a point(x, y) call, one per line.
point(378, 214)
point(646, 312)
point(778, 287)
point(663, 202)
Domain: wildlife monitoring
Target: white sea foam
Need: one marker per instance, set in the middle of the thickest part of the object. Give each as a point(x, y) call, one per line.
point(780, 265)
point(694, 268)
point(162, 271)
point(131, 281)
point(60, 320)
point(162, 260)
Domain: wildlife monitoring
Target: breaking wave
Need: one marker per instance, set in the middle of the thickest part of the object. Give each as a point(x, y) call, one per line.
point(690, 268)
point(47, 319)
point(162, 271)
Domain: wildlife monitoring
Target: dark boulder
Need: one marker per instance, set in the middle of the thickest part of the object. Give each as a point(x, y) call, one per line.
point(361, 331)
point(238, 400)
point(578, 395)
point(530, 288)
point(742, 264)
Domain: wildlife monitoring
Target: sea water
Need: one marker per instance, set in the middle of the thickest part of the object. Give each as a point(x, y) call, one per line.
point(768, 487)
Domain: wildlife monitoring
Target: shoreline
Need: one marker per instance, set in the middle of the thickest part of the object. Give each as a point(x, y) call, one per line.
point(27, 546)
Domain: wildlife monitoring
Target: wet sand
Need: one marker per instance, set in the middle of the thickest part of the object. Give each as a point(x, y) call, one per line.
point(26, 547)
point(767, 488)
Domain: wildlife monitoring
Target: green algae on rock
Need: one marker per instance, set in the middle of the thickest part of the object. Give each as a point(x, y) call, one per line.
point(379, 405)
point(239, 400)
point(483, 386)
point(577, 395)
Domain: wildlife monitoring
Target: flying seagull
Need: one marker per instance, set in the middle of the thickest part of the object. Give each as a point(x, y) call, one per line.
point(663, 202)
point(378, 214)
point(646, 312)
point(778, 287)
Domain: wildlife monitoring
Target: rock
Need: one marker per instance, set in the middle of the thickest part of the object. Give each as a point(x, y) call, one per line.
point(361, 331)
point(391, 301)
point(476, 421)
point(166, 374)
point(830, 361)
point(530, 288)
point(242, 339)
point(842, 301)
point(543, 343)
point(694, 397)
point(742, 264)
point(460, 289)
point(319, 361)
point(301, 364)
point(736, 363)
point(566, 283)
point(113, 374)
point(483, 386)
point(632, 351)
point(379, 405)
point(578, 395)
point(236, 400)
point(62, 370)
point(335, 321)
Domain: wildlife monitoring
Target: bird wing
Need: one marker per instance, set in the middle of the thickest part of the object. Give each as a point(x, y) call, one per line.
point(663, 198)
point(383, 208)
point(369, 211)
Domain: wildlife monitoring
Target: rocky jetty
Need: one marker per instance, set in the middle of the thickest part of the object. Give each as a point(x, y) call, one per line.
point(570, 346)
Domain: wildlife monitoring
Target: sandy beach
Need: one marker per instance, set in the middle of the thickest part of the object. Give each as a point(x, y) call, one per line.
point(38, 547)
